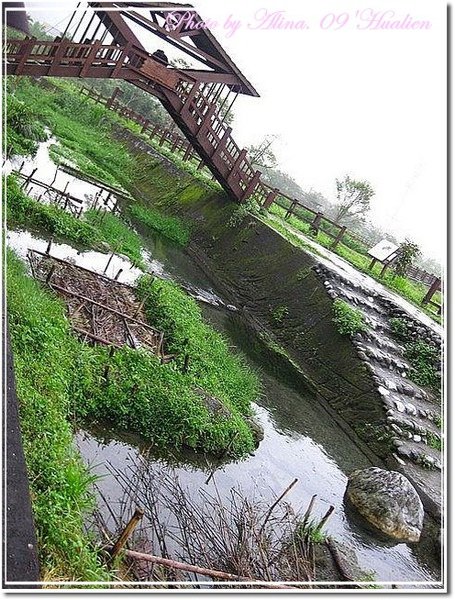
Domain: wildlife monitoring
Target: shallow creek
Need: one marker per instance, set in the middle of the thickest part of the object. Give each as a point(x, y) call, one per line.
point(301, 438)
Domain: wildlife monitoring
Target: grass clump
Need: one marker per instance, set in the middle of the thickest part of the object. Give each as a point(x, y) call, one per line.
point(423, 357)
point(44, 354)
point(24, 212)
point(211, 364)
point(348, 320)
point(171, 227)
point(115, 232)
point(23, 131)
point(83, 128)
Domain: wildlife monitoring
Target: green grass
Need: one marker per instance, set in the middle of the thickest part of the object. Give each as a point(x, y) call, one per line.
point(212, 366)
point(24, 212)
point(84, 129)
point(118, 234)
point(60, 378)
point(410, 290)
point(89, 231)
point(171, 227)
point(423, 357)
point(44, 355)
point(348, 320)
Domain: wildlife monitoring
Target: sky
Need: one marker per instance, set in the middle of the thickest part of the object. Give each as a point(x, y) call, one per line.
point(344, 96)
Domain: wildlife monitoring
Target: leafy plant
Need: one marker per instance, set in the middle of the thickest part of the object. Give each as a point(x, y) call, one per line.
point(348, 320)
point(423, 359)
point(250, 207)
point(399, 328)
point(279, 313)
point(407, 253)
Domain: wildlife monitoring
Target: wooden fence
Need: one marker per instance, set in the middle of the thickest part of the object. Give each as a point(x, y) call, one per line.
point(264, 194)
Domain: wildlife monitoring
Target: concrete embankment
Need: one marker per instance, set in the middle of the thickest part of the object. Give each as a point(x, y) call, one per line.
point(286, 296)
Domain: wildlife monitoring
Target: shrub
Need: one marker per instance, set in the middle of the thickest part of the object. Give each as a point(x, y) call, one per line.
point(347, 320)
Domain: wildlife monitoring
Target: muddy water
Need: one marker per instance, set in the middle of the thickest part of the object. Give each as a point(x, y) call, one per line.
point(301, 440)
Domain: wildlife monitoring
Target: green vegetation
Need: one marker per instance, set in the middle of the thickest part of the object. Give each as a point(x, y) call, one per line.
point(171, 227)
point(83, 128)
point(115, 232)
point(349, 249)
point(24, 212)
point(347, 320)
point(423, 357)
point(434, 441)
point(211, 365)
point(60, 378)
point(44, 355)
point(90, 231)
point(279, 313)
point(23, 132)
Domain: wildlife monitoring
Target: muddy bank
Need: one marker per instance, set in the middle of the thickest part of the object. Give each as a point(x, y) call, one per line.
point(288, 305)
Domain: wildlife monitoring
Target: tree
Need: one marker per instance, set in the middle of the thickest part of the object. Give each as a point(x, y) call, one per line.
point(407, 252)
point(353, 198)
point(263, 155)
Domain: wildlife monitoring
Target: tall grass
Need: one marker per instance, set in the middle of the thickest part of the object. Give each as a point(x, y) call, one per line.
point(118, 234)
point(212, 366)
point(44, 355)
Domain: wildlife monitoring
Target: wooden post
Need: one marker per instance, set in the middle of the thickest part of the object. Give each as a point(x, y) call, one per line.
point(90, 58)
point(251, 186)
point(222, 142)
point(271, 196)
point(108, 262)
point(339, 237)
point(131, 526)
point(435, 287)
point(189, 149)
point(49, 275)
point(290, 210)
point(241, 157)
point(317, 222)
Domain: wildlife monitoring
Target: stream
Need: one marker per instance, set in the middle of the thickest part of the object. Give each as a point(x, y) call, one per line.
point(301, 439)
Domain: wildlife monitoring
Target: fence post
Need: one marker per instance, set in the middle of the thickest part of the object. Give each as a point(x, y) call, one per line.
point(270, 198)
point(316, 223)
point(339, 237)
point(290, 210)
point(251, 186)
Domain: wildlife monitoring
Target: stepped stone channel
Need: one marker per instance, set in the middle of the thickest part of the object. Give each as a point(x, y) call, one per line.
point(409, 410)
point(285, 295)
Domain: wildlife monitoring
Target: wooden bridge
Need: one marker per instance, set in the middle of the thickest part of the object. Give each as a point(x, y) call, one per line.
point(103, 45)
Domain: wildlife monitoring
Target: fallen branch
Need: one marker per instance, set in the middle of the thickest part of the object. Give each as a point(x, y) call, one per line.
point(173, 564)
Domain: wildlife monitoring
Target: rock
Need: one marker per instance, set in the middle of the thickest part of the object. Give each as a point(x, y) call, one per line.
point(256, 428)
point(383, 391)
point(400, 406)
point(388, 501)
point(417, 438)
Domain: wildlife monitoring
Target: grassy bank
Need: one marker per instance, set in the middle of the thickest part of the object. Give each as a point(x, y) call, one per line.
point(44, 354)
point(412, 291)
point(91, 231)
point(60, 378)
point(171, 227)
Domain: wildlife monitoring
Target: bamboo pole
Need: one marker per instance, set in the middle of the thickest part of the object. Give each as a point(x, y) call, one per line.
point(288, 489)
point(173, 564)
point(130, 527)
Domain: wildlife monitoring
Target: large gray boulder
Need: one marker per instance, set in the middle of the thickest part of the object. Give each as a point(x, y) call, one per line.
point(387, 500)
